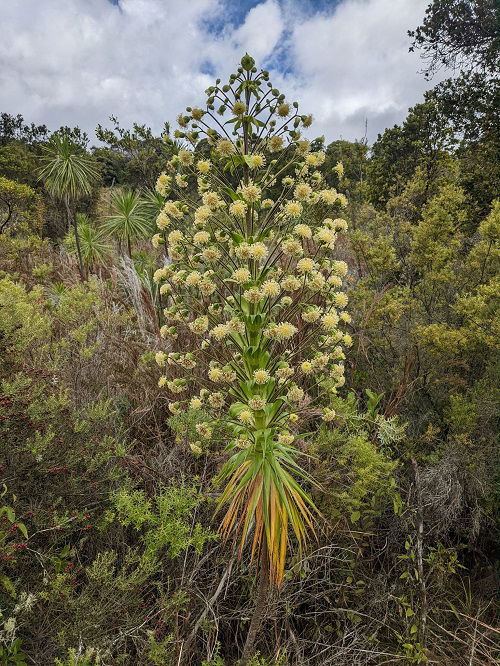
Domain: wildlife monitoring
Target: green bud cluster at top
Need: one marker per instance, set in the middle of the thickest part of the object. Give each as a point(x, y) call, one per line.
point(251, 283)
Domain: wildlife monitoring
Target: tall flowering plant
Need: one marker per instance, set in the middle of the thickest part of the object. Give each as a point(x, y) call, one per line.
point(249, 228)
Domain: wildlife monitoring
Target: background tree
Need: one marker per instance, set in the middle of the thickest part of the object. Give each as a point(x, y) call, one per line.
point(129, 217)
point(18, 202)
point(132, 157)
point(68, 174)
point(463, 36)
point(94, 242)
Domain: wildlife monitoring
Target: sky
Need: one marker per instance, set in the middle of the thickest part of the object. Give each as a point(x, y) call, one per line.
point(76, 62)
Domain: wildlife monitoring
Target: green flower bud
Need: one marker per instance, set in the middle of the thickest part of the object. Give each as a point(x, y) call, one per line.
point(247, 62)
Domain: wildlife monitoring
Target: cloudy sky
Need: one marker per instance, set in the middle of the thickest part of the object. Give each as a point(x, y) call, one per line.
point(76, 62)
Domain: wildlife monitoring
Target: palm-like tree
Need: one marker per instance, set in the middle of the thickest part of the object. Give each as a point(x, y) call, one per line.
point(69, 174)
point(153, 204)
point(129, 218)
point(93, 242)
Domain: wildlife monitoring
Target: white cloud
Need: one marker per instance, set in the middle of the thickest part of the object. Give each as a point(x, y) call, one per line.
point(354, 65)
point(79, 61)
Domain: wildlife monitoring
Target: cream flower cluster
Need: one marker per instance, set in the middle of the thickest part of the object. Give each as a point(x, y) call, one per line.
point(251, 289)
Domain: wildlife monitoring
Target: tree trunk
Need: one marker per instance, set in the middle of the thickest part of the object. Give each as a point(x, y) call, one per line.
point(77, 239)
point(129, 245)
point(259, 608)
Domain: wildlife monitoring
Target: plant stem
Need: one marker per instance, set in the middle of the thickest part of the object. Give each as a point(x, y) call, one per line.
point(71, 217)
point(259, 608)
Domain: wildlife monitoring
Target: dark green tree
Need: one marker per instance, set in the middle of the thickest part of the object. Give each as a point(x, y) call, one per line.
point(421, 141)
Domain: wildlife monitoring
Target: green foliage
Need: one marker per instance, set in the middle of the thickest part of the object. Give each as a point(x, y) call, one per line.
point(169, 524)
point(94, 244)
point(67, 170)
point(132, 157)
point(359, 473)
point(422, 141)
point(12, 654)
point(128, 219)
point(79, 658)
point(19, 207)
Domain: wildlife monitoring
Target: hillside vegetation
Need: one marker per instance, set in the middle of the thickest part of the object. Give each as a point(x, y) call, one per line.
point(370, 537)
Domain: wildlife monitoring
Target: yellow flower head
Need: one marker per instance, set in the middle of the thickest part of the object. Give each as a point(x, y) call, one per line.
point(295, 394)
point(215, 375)
point(326, 236)
point(283, 110)
point(193, 278)
point(275, 143)
point(258, 251)
point(250, 192)
point(226, 148)
point(162, 221)
point(185, 157)
point(293, 247)
point(292, 209)
point(303, 146)
point(340, 268)
point(238, 208)
point(328, 415)
point(201, 237)
point(341, 299)
point(261, 376)
point(284, 331)
point(302, 191)
point(163, 184)
point(306, 265)
point(175, 237)
point(253, 295)
point(312, 314)
point(199, 325)
point(340, 224)
point(207, 287)
point(195, 403)
point(202, 213)
point(239, 108)
point(170, 208)
point(302, 230)
point(257, 161)
point(245, 416)
point(220, 332)
point(271, 288)
point(203, 166)
point(241, 275)
point(330, 320)
point(211, 254)
point(291, 283)
point(160, 358)
point(339, 169)
point(256, 403)
point(212, 200)
point(328, 196)
point(306, 367)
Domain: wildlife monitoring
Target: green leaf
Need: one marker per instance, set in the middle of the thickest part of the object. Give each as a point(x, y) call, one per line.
point(22, 529)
